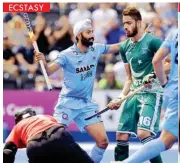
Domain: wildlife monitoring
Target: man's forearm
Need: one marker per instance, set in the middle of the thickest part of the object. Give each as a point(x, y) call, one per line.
point(160, 73)
point(126, 87)
point(51, 68)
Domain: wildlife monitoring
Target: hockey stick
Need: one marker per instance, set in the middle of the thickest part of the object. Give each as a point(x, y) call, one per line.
point(119, 102)
point(31, 35)
point(124, 98)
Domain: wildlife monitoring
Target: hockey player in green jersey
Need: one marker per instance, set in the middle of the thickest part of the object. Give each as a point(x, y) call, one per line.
point(140, 114)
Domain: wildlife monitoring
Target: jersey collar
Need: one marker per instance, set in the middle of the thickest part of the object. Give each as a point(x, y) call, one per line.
point(77, 49)
point(139, 39)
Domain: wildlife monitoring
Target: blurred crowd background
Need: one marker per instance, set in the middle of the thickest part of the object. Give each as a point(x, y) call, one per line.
point(53, 32)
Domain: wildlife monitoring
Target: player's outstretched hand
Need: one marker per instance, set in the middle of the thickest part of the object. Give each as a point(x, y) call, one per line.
point(114, 104)
point(147, 80)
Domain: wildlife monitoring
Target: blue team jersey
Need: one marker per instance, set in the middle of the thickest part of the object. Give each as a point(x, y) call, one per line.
point(171, 43)
point(80, 70)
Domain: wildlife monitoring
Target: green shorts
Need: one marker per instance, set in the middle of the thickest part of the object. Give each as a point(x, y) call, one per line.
point(141, 111)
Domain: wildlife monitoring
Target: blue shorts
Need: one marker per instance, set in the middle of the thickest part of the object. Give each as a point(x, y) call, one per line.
point(170, 121)
point(70, 108)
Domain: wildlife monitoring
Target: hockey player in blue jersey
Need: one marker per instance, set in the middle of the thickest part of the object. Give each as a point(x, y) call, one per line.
point(79, 63)
point(170, 122)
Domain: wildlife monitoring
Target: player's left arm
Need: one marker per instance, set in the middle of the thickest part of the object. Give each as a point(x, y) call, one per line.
point(158, 60)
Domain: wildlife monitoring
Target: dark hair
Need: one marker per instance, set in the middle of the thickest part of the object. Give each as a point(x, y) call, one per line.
point(28, 112)
point(132, 12)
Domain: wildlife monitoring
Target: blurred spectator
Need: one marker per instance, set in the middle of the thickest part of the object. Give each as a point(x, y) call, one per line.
point(15, 30)
point(145, 6)
point(63, 34)
point(79, 14)
point(41, 33)
point(40, 83)
point(93, 6)
point(119, 8)
point(157, 28)
point(109, 81)
point(9, 62)
point(114, 33)
point(25, 57)
point(8, 16)
point(101, 20)
point(66, 8)
point(100, 67)
point(168, 13)
point(52, 42)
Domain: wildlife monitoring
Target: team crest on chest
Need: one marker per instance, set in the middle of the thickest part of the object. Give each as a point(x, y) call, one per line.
point(145, 50)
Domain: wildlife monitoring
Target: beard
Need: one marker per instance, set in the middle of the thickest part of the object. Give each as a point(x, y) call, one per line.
point(134, 32)
point(87, 42)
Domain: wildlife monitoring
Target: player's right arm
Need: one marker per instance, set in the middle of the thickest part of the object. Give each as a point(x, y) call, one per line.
point(113, 104)
point(128, 81)
point(51, 67)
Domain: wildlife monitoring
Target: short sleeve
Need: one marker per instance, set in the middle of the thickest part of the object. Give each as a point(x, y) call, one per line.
point(155, 44)
point(61, 59)
point(122, 53)
point(167, 42)
point(102, 48)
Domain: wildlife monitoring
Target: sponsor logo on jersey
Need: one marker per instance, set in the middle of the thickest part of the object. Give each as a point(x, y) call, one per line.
point(84, 68)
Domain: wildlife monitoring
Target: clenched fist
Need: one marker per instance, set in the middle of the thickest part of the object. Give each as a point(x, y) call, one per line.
point(40, 56)
point(114, 104)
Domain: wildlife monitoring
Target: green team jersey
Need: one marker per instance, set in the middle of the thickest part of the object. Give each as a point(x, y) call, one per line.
point(139, 56)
